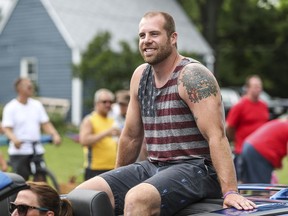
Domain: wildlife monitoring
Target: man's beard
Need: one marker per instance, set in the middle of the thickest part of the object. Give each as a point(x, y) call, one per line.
point(164, 52)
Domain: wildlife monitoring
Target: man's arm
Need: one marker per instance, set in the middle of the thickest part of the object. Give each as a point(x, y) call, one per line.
point(131, 138)
point(198, 87)
point(7, 126)
point(8, 131)
point(49, 129)
point(88, 138)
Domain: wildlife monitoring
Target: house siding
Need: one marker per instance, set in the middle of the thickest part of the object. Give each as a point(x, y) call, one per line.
point(30, 32)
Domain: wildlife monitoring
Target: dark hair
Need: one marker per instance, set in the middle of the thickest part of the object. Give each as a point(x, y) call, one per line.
point(122, 96)
point(169, 24)
point(50, 199)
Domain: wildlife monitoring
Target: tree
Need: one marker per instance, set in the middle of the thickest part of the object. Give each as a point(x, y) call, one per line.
point(248, 37)
point(101, 67)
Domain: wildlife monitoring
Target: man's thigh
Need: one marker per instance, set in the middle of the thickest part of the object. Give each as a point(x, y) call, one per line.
point(122, 179)
point(178, 184)
point(182, 184)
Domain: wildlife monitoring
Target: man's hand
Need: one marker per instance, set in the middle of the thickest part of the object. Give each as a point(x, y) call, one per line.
point(17, 143)
point(239, 202)
point(56, 139)
point(114, 131)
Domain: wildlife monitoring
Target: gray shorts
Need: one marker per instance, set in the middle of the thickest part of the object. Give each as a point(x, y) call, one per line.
point(179, 184)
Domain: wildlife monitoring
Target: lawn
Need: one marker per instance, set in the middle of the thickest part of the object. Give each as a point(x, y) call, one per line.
point(283, 173)
point(65, 161)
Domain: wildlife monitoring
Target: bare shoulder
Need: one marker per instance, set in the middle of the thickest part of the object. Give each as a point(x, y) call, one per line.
point(197, 83)
point(139, 70)
point(135, 80)
point(86, 120)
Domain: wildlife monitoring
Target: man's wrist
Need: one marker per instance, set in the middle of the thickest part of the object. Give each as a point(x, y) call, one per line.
point(230, 192)
point(55, 134)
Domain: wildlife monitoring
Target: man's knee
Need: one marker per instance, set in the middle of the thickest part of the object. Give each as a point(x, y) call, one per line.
point(99, 184)
point(95, 183)
point(143, 197)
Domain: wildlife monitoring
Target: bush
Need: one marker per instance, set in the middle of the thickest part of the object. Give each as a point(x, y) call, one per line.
point(58, 121)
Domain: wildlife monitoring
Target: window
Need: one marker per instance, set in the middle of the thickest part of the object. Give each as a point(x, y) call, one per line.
point(29, 68)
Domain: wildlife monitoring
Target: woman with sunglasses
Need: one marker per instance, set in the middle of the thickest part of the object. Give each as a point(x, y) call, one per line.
point(40, 199)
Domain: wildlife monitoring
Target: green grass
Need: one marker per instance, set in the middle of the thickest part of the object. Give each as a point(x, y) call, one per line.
point(283, 172)
point(66, 161)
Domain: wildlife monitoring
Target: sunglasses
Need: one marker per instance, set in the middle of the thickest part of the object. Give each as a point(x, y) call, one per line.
point(23, 209)
point(106, 101)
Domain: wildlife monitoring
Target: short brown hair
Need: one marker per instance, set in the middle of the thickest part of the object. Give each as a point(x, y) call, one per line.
point(123, 96)
point(18, 82)
point(248, 78)
point(169, 24)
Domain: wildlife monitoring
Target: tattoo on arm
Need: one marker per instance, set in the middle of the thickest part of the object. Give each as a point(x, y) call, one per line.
point(198, 84)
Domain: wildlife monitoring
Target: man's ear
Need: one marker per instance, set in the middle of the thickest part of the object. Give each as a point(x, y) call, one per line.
point(173, 38)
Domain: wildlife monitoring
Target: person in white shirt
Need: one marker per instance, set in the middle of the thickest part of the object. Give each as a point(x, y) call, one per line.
point(23, 118)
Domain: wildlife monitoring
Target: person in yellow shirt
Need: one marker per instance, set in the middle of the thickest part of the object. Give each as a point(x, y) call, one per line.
point(97, 133)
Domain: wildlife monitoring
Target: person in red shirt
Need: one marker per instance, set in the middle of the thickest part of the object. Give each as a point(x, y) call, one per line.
point(245, 117)
point(264, 150)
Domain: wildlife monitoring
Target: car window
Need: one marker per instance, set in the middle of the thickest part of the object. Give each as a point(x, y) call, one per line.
point(229, 96)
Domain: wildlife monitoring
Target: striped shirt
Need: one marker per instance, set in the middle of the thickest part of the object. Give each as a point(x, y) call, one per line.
point(171, 132)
